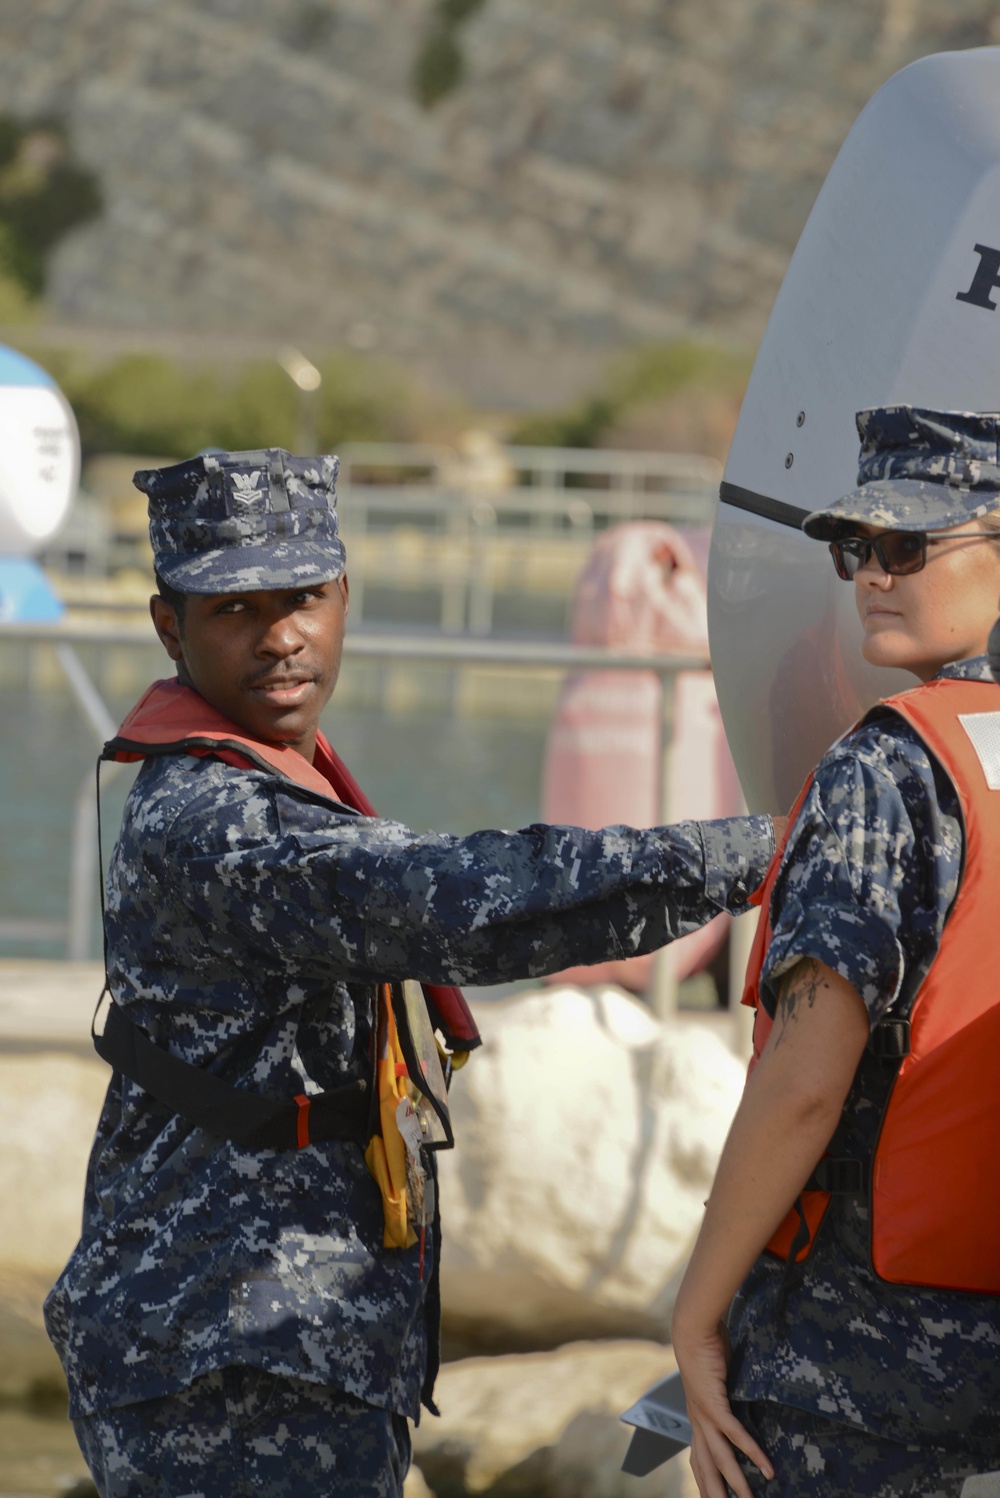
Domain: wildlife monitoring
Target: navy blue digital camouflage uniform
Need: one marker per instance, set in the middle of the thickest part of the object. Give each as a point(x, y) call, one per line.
point(242, 1431)
point(855, 1385)
point(247, 922)
point(812, 1454)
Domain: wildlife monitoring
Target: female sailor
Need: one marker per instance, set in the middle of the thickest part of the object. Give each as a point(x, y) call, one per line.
point(838, 1328)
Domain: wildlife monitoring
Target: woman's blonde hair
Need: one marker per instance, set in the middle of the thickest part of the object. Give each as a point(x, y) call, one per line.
point(991, 522)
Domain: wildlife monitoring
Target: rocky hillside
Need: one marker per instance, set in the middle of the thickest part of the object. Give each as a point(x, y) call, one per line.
point(591, 175)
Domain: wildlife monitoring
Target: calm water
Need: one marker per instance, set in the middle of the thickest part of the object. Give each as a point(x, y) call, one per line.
point(449, 773)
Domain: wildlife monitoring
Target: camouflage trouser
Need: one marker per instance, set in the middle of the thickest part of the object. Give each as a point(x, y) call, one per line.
point(812, 1455)
point(242, 1431)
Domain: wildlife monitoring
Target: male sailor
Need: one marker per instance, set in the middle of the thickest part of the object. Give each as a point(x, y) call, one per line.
point(253, 1302)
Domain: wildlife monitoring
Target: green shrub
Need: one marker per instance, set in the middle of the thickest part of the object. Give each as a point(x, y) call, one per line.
point(143, 403)
point(659, 369)
point(646, 374)
point(43, 195)
point(439, 64)
point(16, 305)
point(438, 68)
point(582, 425)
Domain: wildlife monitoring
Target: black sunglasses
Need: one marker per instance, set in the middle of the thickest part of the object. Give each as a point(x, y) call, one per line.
point(899, 553)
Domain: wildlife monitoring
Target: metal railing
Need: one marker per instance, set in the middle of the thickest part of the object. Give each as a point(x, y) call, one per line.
point(443, 649)
point(555, 464)
point(513, 495)
point(480, 507)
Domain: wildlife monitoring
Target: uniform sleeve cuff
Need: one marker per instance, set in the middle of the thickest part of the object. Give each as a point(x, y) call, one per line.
point(737, 853)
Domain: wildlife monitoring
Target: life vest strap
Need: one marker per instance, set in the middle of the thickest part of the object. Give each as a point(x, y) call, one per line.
point(247, 1118)
point(840, 1177)
point(890, 1039)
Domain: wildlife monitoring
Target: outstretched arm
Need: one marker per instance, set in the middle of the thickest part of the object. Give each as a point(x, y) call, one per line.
point(788, 1114)
point(362, 898)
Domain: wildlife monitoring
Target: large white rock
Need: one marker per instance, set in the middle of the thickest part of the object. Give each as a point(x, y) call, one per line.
point(49, 1107)
point(588, 1134)
point(545, 1423)
point(415, 1485)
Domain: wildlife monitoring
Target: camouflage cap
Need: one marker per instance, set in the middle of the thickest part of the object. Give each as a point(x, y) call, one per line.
point(919, 470)
point(233, 522)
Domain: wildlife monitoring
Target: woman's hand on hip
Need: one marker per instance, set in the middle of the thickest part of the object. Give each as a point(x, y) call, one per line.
point(703, 1359)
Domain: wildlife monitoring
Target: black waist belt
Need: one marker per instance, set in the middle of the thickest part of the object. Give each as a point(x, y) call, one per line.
point(234, 1113)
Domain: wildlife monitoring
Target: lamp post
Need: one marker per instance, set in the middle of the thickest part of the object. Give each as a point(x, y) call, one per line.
point(307, 378)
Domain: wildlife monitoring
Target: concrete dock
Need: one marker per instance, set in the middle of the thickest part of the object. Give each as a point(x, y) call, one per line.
point(47, 1006)
point(51, 1088)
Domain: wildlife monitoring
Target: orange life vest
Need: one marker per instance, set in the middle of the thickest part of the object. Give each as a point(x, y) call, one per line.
point(932, 1182)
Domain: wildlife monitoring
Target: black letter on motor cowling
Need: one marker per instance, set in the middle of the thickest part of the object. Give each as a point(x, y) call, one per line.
point(986, 279)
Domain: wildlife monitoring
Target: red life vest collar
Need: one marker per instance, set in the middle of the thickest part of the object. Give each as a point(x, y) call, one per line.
point(171, 718)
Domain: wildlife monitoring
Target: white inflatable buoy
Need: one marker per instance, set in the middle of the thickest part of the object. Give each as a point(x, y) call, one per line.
point(39, 455)
point(39, 471)
point(892, 296)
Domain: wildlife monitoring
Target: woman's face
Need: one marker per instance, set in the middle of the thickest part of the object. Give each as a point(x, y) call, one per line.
point(943, 613)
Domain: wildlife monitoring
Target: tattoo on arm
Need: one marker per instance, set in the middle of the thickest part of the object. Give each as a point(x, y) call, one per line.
point(800, 986)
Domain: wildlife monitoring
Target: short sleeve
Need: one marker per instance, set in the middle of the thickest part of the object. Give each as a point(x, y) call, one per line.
point(869, 870)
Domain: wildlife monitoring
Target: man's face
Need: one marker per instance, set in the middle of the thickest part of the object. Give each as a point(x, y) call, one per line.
point(267, 660)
